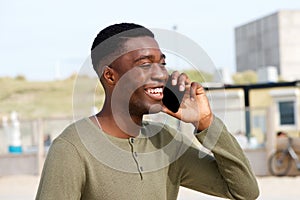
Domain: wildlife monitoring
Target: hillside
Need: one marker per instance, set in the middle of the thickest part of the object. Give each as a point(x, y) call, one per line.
point(37, 99)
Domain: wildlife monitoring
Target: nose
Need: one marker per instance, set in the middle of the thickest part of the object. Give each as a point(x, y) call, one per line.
point(159, 72)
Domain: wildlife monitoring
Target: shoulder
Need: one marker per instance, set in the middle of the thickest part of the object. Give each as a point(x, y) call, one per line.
point(72, 132)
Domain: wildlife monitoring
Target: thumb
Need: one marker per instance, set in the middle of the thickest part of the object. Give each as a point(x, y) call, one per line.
point(169, 112)
point(166, 110)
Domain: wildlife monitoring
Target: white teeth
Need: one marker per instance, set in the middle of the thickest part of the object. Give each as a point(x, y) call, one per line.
point(154, 91)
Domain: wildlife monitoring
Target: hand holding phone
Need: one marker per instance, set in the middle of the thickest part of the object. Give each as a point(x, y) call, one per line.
point(172, 96)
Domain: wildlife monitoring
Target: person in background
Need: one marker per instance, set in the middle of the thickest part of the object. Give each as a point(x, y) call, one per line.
point(282, 134)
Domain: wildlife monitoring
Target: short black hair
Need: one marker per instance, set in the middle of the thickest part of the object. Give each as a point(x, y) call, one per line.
point(103, 45)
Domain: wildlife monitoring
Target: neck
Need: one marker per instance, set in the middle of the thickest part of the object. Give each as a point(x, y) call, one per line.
point(118, 123)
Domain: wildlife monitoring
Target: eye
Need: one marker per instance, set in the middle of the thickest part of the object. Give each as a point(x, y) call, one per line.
point(146, 65)
point(149, 65)
point(163, 65)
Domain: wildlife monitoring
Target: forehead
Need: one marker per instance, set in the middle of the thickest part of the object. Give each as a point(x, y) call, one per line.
point(135, 48)
point(139, 43)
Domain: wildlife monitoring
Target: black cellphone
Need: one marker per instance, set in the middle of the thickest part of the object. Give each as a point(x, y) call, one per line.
point(172, 96)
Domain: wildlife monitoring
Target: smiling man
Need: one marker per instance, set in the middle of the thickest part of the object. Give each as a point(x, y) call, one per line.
point(117, 155)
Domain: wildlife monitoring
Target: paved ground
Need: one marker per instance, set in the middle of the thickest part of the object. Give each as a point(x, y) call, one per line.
point(271, 188)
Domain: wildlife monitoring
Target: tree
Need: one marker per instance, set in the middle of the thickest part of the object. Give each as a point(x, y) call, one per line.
point(246, 77)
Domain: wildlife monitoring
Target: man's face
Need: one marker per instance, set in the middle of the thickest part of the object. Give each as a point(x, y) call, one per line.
point(141, 76)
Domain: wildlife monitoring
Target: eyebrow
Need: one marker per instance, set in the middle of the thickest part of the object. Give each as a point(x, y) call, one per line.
point(150, 57)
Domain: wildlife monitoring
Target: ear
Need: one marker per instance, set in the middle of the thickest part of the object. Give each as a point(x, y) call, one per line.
point(109, 75)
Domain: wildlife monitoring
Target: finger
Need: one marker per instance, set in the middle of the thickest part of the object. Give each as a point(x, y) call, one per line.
point(174, 77)
point(166, 110)
point(193, 90)
point(196, 89)
point(183, 80)
point(200, 90)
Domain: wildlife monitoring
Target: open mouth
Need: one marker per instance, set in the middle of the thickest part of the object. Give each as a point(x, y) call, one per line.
point(155, 93)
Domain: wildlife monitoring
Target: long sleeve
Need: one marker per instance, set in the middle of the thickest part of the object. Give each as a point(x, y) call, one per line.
point(226, 174)
point(63, 174)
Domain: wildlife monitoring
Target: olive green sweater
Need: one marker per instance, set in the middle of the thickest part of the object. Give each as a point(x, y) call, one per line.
point(85, 163)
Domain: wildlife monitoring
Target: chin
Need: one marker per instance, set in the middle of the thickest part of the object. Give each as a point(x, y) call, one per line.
point(144, 106)
point(154, 108)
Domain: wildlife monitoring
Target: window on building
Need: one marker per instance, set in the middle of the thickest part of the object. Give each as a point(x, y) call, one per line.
point(287, 112)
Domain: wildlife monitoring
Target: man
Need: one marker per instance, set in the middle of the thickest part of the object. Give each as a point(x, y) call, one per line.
point(116, 155)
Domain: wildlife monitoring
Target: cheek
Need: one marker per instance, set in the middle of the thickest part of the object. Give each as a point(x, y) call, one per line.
point(137, 79)
point(135, 74)
point(166, 73)
point(131, 80)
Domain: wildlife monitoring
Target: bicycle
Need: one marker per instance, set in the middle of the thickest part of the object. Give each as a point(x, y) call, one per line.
point(280, 161)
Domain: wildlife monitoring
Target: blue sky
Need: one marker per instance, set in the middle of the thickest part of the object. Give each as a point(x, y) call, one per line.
point(36, 36)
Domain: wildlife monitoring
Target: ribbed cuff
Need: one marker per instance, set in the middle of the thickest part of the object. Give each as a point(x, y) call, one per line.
point(210, 136)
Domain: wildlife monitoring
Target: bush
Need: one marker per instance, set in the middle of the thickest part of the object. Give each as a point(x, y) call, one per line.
point(20, 78)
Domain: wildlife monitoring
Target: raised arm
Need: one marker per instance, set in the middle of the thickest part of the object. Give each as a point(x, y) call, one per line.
point(227, 173)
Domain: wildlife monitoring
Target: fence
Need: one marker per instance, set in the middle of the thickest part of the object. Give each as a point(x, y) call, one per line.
point(36, 136)
point(257, 124)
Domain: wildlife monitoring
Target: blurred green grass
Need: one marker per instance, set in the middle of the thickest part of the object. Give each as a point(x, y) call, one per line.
point(38, 99)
